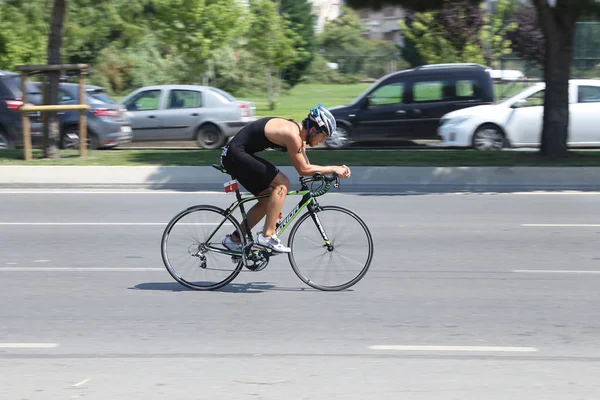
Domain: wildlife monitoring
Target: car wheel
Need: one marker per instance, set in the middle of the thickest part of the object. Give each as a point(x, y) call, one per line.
point(6, 142)
point(489, 137)
point(210, 137)
point(70, 139)
point(340, 140)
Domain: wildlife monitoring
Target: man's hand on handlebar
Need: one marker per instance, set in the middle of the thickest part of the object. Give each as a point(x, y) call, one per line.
point(343, 171)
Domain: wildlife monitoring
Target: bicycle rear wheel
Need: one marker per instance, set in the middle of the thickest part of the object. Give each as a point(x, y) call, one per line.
point(335, 267)
point(191, 257)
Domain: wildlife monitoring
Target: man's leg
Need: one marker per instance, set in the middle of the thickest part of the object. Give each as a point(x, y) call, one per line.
point(256, 213)
point(280, 186)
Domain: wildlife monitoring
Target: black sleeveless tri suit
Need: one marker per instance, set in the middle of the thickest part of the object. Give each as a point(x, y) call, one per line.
point(239, 159)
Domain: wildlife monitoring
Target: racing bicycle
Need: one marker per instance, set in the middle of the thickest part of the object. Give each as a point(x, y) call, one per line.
point(331, 246)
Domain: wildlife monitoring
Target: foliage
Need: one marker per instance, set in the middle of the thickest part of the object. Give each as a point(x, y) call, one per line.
point(302, 21)
point(459, 33)
point(342, 43)
point(528, 40)
point(23, 33)
point(122, 70)
point(196, 28)
point(271, 41)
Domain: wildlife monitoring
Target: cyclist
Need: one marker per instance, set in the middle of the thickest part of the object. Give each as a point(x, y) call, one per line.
point(259, 176)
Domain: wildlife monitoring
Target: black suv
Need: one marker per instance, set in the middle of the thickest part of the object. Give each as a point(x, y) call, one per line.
point(11, 98)
point(407, 105)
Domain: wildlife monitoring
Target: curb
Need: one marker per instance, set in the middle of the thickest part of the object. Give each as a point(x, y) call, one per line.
point(377, 179)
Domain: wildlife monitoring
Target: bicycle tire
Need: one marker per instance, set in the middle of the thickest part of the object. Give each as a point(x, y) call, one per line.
point(322, 210)
point(164, 242)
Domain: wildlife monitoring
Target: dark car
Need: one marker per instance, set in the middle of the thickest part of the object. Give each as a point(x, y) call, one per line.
point(108, 124)
point(408, 105)
point(11, 99)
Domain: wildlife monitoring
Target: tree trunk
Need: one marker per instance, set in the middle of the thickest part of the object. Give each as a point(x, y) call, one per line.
point(270, 85)
point(558, 26)
point(54, 45)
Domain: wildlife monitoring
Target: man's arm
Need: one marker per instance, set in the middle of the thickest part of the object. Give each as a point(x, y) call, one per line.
point(300, 160)
point(302, 150)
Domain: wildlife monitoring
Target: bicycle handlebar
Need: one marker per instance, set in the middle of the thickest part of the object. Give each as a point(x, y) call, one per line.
point(326, 179)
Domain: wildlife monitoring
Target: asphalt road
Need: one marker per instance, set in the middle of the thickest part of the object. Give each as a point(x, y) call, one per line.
point(470, 296)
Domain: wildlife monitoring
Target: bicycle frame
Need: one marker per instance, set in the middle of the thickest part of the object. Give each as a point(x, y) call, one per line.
point(306, 201)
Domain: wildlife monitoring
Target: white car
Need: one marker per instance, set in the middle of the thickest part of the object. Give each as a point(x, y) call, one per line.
point(517, 121)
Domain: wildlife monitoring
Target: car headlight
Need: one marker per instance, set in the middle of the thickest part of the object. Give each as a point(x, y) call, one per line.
point(455, 120)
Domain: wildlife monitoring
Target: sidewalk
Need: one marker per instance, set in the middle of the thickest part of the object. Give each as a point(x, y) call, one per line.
point(375, 179)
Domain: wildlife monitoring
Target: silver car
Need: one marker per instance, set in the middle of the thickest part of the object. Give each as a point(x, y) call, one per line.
point(208, 115)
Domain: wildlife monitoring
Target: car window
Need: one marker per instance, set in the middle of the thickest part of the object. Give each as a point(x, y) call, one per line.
point(13, 83)
point(147, 100)
point(387, 94)
point(426, 91)
point(468, 90)
point(588, 94)
point(536, 99)
point(63, 95)
point(184, 99)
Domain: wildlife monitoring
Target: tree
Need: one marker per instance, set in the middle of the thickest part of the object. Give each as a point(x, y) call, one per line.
point(460, 32)
point(271, 41)
point(54, 45)
point(299, 13)
point(196, 28)
point(558, 27)
point(528, 39)
point(343, 43)
point(23, 33)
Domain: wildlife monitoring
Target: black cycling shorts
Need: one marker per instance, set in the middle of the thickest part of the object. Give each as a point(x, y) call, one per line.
point(251, 171)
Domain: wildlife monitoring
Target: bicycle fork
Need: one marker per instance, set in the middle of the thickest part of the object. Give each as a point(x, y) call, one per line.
point(314, 208)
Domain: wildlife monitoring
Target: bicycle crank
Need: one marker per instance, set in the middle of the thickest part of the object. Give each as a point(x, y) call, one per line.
point(255, 260)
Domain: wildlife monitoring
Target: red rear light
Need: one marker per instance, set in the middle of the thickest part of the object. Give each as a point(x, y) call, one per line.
point(103, 112)
point(13, 105)
point(244, 110)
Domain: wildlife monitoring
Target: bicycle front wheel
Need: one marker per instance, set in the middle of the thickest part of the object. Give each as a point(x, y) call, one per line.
point(336, 265)
point(192, 251)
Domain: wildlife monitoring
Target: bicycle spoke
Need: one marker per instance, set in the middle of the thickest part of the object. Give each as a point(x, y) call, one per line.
point(326, 269)
point(188, 256)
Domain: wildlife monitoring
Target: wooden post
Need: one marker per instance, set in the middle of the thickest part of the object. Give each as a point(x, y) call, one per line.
point(82, 118)
point(25, 119)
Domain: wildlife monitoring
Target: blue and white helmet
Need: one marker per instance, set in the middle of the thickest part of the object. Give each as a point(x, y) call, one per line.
point(324, 119)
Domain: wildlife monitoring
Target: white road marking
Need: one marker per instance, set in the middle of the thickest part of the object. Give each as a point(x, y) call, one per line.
point(562, 225)
point(83, 382)
point(11, 263)
point(553, 271)
point(41, 261)
point(454, 348)
point(78, 269)
point(141, 191)
point(104, 223)
point(28, 345)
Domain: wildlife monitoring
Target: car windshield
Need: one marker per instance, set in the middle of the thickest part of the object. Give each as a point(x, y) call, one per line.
point(370, 88)
point(99, 96)
point(520, 94)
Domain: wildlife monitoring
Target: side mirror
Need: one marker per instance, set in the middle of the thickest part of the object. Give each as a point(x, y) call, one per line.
point(366, 102)
point(519, 103)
